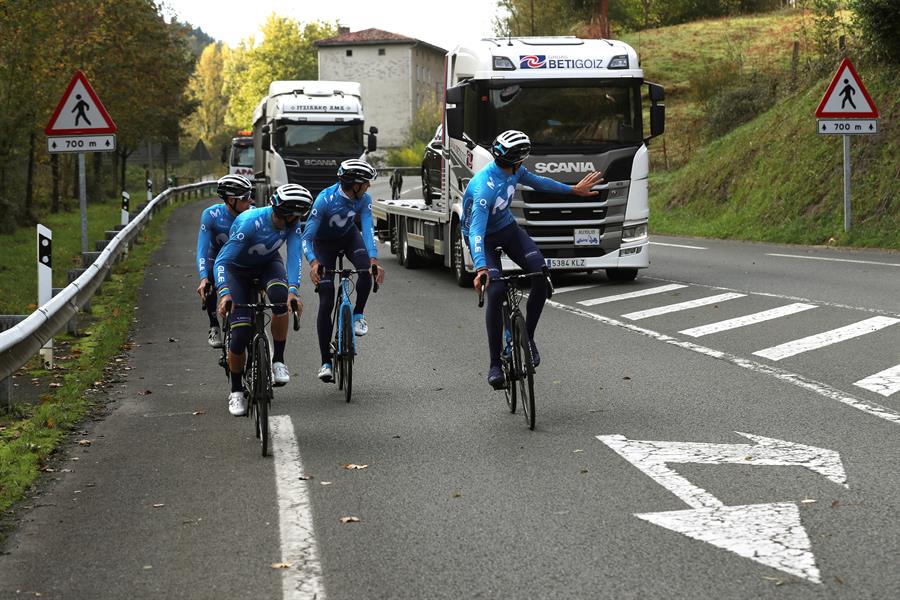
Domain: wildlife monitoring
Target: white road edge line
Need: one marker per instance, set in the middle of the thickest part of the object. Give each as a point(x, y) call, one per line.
point(678, 246)
point(303, 579)
point(670, 308)
point(766, 315)
point(826, 338)
point(800, 381)
point(638, 294)
point(847, 260)
point(886, 382)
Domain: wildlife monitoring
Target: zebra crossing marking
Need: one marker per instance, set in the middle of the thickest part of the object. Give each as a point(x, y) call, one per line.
point(886, 382)
point(752, 319)
point(826, 338)
point(648, 292)
point(670, 308)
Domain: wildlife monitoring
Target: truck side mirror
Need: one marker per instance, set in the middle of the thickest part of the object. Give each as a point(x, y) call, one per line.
point(373, 130)
point(657, 92)
point(455, 95)
point(372, 142)
point(657, 119)
point(455, 118)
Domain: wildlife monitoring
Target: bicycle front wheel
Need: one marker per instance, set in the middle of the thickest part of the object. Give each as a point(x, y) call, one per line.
point(347, 350)
point(262, 392)
point(525, 369)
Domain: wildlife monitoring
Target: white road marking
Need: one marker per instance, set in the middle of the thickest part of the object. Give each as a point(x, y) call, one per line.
point(826, 338)
point(847, 260)
point(766, 315)
point(412, 189)
point(822, 389)
point(771, 534)
point(678, 246)
point(886, 382)
point(670, 308)
point(647, 292)
point(573, 288)
point(303, 580)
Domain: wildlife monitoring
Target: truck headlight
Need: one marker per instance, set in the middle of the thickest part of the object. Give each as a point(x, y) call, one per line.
point(634, 233)
point(502, 63)
point(618, 62)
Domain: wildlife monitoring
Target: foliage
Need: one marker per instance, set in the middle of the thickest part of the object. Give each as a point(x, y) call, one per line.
point(207, 122)
point(424, 122)
point(287, 52)
point(879, 22)
point(411, 156)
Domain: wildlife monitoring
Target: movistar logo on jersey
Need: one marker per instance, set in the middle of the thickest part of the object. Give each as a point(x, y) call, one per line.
point(540, 61)
point(564, 167)
point(339, 221)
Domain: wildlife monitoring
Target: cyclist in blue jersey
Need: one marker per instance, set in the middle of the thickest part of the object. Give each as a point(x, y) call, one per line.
point(252, 252)
point(488, 224)
point(215, 223)
point(331, 227)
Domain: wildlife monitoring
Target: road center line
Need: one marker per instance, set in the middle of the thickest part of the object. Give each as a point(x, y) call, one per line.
point(678, 246)
point(847, 260)
point(303, 579)
point(800, 381)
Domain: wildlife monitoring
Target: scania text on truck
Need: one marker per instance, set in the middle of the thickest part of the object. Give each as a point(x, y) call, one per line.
point(580, 101)
point(302, 131)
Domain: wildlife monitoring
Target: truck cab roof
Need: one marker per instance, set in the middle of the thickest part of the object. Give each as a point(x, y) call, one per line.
point(563, 57)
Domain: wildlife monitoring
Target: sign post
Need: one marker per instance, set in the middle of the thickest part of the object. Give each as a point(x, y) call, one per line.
point(80, 124)
point(846, 109)
point(45, 282)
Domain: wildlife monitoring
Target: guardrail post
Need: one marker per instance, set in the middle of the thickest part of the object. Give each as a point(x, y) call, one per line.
point(45, 282)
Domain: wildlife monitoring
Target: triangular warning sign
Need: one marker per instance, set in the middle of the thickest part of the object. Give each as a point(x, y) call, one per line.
point(847, 97)
point(80, 111)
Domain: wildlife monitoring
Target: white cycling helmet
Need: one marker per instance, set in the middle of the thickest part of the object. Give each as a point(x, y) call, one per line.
point(356, 171)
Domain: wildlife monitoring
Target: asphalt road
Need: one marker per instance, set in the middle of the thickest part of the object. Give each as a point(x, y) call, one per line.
point(458, 499)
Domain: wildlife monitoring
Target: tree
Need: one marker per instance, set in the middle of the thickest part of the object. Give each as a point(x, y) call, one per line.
point(879, 21)
point(205, 90)
point(287, 52)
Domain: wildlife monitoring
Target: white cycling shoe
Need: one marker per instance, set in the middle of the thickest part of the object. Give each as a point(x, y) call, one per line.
point(280, 374)
point(215, 337)
point(326, 374)
point(237, 404)
point(360, 327)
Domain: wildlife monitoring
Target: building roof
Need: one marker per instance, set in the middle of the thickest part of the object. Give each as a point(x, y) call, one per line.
point(372, 36)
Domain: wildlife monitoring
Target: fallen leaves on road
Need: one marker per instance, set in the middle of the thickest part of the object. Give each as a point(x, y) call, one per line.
point(346, 520)
point(354, 467)
point(284, 565)
point(145, 393)
point(456, 494)
point(807, 501)
point(326, 482)
point(835, 503)
point(84, 442)
point(197, 413)
point(158, 505)
point(306, 477)
point(577, 451)
point(55, 385)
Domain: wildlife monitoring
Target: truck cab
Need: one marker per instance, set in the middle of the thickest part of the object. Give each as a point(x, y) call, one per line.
point(239, 156)
point(303, 130)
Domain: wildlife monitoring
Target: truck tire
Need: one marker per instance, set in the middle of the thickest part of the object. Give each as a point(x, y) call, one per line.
point(621, 275)
point(463, 278)
point(395, 238)
point(408, 257)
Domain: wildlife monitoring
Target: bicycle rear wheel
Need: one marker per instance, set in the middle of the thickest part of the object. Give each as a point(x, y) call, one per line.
point(262, 390)
point(507, 363)
point(347, 350)
point(524, 369)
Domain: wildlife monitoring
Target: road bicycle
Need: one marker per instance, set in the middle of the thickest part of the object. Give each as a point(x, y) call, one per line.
point(343, 346)
point(258, 384)
point(515, 359)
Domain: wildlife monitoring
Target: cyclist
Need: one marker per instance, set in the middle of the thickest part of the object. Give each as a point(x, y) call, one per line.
point(252, 252)
point(488, 224)
point(215, 222)
point(331, 227)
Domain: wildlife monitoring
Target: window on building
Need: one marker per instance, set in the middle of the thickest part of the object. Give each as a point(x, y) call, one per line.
point(381, 52)
point(349, 52)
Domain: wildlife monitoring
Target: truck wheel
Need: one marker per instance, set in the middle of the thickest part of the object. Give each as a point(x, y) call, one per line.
point(395, 239)
point(463, 278)
point(408, 256)
point(621, 275)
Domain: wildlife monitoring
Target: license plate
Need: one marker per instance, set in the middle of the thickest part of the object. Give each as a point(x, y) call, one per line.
point(587, 237)
point(554, 263)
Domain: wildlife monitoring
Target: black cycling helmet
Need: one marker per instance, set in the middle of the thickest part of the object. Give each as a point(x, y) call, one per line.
point(356, 171)
point(234, 186)
point(291, 200)
point(511, 147)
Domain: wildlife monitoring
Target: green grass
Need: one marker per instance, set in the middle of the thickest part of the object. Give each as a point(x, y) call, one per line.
point(775, 179)
point(32, 433)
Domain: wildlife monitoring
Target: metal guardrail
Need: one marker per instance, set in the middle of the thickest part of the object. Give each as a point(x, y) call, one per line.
point(22, 341)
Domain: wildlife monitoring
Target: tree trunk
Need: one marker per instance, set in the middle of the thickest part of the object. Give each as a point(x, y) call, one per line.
point(54, 170)
point(114, 191)
point(29, 181)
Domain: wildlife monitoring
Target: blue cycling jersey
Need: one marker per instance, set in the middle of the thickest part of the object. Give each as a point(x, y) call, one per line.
point(486, 203)
point(254, 241)
point(332, 217)
point(215, 223)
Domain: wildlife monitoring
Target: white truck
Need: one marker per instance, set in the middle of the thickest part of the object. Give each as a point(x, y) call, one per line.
point(580, 101)
point(302, 131)
point(239, 156)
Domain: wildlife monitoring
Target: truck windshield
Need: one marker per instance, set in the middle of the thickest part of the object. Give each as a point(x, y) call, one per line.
point(304, 139)
point(583, 113)
point(242, 156)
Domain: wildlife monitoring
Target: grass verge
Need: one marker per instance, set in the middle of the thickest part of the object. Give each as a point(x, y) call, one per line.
point(30, 434)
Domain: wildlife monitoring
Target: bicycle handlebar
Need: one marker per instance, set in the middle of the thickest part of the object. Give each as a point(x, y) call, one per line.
point(545, 272)
point(322, 271)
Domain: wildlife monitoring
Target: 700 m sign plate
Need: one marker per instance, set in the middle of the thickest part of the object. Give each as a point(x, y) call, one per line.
point(846, 126)
point(81, 143)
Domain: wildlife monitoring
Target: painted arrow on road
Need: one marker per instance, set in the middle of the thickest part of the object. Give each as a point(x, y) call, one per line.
point(771, 534)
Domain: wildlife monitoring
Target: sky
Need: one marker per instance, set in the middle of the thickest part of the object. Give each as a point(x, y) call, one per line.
point(431, 21)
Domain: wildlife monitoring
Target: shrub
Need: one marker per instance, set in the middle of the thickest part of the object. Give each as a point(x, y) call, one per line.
point(879, 22)
point(411, 156)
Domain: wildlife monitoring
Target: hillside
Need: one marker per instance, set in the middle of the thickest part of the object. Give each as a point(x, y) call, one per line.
point(772, 178)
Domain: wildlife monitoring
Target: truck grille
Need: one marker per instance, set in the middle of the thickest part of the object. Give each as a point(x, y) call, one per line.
point(315, 179)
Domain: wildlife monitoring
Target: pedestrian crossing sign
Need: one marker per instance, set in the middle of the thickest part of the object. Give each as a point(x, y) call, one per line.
point(846, 96)
point(80, 111)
